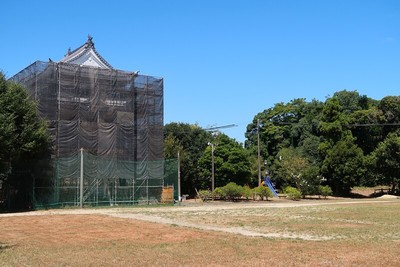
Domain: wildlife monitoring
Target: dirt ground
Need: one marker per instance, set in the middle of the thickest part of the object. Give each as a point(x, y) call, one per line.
point(185, 236)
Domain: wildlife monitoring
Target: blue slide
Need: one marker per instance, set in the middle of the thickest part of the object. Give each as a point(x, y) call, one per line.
point(271, 187)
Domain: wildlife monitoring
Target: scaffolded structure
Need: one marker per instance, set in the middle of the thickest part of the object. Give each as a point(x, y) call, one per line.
point(106, 127)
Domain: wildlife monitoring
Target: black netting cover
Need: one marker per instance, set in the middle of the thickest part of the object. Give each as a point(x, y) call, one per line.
point(115, 116)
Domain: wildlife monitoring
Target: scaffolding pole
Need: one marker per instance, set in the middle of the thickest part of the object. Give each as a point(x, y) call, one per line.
point(81, 180)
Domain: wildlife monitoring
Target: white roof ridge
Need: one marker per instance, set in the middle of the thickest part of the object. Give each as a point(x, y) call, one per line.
point(86, 55)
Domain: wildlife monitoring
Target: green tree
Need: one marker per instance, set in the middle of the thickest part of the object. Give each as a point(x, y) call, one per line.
point(231, 162)
point(387, 160)
point(366, 129)
point(296, 170)
point(390, 108)
point(171, 150)
point(309, 149)
point(308, 123)
point(311, 180)
point(333, 123)
point(292, 166)
point(191, 140)
point(24, 140)
point(343, 167)
point(279, 127)
point(351, 101)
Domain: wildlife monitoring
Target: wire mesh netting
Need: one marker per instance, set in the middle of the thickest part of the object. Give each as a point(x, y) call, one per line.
point(116, 117)
point(94, 180)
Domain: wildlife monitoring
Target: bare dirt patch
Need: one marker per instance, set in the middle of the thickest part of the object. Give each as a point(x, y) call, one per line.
point(86, 229)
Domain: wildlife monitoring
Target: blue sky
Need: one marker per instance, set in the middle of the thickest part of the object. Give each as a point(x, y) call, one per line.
point(222, 61)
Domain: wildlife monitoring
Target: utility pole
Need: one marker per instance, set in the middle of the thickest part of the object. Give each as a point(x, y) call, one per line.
point(179, 177)
point(213, 130)
point(258, 152)
point(212, 165)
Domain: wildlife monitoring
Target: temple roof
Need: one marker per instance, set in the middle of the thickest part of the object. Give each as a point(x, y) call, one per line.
point(86, 55)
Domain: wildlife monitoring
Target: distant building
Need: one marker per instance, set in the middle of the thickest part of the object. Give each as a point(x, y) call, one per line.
point(115, 116)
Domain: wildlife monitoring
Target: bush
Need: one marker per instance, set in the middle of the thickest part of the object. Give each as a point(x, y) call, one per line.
point(263, 191)
point(219, 193)
point(232, 191)
point(204, 195)
point(247, 192)
point(325, 191)
point(292, 193)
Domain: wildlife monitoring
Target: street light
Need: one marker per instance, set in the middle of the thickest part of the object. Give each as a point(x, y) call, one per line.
point(212, 165)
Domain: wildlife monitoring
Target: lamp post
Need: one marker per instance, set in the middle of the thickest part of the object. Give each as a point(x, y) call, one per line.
point(212, 165)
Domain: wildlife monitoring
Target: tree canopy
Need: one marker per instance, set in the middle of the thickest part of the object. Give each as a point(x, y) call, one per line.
point(23, 136)
point(232, 162)
point(341, 142)
point(191, 141)
point(387, 160)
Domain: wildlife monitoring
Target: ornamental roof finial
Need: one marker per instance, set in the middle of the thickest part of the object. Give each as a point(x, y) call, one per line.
point(89, 41)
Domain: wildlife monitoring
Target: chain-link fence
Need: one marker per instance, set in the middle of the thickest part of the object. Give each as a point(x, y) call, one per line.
point(86, 179)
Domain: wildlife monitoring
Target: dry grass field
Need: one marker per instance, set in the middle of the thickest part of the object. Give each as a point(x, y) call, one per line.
point(340, 232)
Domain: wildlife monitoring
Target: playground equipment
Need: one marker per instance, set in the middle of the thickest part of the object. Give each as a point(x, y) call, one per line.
point(267, 182)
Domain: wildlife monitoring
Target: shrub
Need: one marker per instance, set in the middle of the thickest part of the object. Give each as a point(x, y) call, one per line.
point(247, 192)
point(204, 195)
point(219, 193)
point(232, 191)
point(263, 191)
point(325, 191)
point(292, 193)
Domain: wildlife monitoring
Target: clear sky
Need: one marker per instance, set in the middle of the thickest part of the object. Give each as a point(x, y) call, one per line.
point(223, 61)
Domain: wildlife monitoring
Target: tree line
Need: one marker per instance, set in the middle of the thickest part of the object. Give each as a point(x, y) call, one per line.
point(345, 141)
